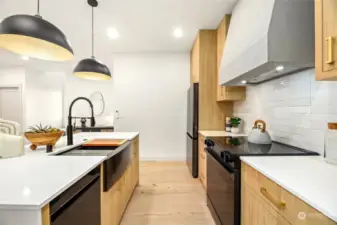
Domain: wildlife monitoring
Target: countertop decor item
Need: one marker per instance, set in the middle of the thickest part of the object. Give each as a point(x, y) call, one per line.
point(235, 122)
point(83, 122)
point(43, 135)
point(259, 134)
point(228, 125)
point(34, 37)
point(330, 147)
point(97, 100)
point(90, 68)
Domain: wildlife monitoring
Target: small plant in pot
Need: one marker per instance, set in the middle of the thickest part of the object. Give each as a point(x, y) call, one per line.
point(235, 122)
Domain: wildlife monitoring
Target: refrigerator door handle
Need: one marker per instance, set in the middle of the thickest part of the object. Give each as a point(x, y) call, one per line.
point(188, 134)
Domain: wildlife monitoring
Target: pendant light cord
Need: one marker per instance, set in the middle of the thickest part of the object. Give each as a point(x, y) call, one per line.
point(92, 32)
point(38, 9)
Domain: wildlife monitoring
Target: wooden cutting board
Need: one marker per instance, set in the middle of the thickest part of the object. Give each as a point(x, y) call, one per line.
point(105, 142)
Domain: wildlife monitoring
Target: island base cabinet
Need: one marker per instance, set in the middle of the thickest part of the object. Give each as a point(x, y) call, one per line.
point(115, 200)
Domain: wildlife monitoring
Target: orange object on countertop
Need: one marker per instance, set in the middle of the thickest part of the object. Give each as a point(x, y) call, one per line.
point(105, 142)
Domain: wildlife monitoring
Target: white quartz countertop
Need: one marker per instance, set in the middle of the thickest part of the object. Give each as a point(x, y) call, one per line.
point(33, 180)
point(209, 133)
point(309, 178)
point(79, 139)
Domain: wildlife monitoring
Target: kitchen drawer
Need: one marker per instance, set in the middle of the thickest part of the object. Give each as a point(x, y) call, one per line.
point(257, 182)
point(255, 211)
point(201, 147)
point(293, 209)
point(134, 145)
point(202, 153)
point(203, 179)
point(202, 168)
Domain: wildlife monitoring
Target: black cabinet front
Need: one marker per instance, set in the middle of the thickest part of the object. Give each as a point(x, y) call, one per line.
point(223, 192)
point(80, 204)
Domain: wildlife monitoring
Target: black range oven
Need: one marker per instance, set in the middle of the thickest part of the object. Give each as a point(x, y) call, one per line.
point(223, 191)
point(224, 173)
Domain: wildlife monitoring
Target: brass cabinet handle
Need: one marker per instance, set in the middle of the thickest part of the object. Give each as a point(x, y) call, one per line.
point(330, 41)
point(278, 204)
point(202, 156)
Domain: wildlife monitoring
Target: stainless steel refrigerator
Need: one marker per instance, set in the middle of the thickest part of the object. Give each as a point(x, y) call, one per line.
point(192, 129)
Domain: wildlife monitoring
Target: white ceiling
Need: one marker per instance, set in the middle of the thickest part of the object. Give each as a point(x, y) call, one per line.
point(143, 25)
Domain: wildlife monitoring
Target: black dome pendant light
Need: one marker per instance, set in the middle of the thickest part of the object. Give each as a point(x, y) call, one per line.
point(34, 37)
point(91, 68)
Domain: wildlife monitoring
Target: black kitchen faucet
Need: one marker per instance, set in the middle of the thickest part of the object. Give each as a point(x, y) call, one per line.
point(70, 127)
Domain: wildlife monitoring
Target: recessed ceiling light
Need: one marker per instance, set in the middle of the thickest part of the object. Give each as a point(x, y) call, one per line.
point(279, 68)
point(243, 82)
point(178, 32)
point(112, 33)
point(26, 58)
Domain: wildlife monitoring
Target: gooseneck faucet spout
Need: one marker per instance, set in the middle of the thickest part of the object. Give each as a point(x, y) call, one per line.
point(70, 127)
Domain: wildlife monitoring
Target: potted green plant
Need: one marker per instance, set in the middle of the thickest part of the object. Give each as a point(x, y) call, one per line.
point(235, 122)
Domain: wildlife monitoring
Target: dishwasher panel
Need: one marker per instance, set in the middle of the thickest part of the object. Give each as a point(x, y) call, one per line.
point(79, 204)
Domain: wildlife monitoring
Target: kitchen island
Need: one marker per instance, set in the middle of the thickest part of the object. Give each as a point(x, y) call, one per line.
point(31, 184)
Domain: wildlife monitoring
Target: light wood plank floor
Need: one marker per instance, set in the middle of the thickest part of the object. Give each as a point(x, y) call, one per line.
point(167, 195)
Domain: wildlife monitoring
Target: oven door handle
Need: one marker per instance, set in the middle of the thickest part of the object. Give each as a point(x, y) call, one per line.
point(222, 162)
point(229, 167)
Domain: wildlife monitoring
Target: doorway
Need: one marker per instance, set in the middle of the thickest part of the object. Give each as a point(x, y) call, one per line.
point(11, 103)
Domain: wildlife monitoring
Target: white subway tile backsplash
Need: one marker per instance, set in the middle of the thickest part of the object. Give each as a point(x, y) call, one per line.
point(296, 108)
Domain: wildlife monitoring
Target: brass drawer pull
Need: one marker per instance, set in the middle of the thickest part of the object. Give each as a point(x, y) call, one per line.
point(330, 41)
point(202, 156)
point(278, 204)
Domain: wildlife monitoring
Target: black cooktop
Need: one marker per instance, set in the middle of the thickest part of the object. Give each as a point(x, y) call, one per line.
point(239, 146)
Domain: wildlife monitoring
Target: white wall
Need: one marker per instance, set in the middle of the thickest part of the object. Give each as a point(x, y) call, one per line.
point(44, 98)
point(150, 92)
point(296, 108)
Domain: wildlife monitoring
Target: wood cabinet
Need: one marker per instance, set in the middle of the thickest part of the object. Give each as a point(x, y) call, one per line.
point(204, 70)
point(45, 215)
point(257, 212)
point(265, 202)
point(226, 93)
point(115, 201)
point(202, 160)
point(194, 61)
point(326, 39)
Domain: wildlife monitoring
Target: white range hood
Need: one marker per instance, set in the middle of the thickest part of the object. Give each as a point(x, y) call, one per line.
point(268, 39)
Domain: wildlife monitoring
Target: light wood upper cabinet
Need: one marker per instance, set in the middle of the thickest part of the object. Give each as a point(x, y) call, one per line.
point(226, 93)
point(194, 58)
point(326, 39)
